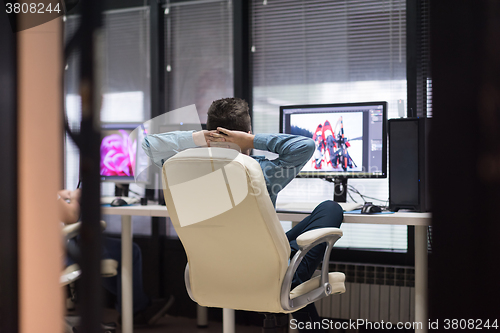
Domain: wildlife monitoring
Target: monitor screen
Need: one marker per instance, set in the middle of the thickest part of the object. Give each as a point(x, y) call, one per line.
point(350, 138)
point(120, 153)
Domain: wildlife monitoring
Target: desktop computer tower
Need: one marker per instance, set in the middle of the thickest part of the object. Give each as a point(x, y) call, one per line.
point(408, 164)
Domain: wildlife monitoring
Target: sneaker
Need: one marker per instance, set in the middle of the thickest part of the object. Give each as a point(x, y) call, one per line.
point(150, 315)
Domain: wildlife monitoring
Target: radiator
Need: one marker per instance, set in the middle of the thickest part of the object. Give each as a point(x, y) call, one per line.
point(373, 293)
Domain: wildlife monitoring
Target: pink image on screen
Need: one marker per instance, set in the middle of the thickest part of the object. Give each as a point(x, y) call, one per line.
point(118, 155)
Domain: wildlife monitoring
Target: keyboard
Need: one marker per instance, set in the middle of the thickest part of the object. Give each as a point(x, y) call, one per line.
point(309, 206)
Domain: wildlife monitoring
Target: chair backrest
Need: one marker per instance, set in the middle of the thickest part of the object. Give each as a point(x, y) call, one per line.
point(236, 248)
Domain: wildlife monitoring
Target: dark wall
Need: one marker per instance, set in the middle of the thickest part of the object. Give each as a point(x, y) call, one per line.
point(465, 153)
point(8, 171)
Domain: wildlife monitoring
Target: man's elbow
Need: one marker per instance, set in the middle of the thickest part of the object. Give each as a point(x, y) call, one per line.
point(145, 144)
point(309, 147)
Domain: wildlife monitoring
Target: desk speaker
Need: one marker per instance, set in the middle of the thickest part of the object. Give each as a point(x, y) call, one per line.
point(408, 175)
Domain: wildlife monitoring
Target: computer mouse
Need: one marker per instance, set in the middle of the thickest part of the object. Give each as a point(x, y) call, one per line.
point(118, 202)
point(369, 208)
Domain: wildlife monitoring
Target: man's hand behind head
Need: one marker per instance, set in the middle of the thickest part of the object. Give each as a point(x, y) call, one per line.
point(242, 139)
point(203, 138)
point(212, 136)
point(224, 138)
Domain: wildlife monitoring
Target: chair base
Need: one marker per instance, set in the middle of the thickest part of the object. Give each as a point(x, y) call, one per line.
point(106, 328)
point(275, 323)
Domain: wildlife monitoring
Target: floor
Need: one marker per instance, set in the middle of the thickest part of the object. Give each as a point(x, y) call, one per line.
point(171, 324)
point(188, 325)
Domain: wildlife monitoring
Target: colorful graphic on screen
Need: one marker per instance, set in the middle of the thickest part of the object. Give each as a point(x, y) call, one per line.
point(118, 153)
point(338, 138)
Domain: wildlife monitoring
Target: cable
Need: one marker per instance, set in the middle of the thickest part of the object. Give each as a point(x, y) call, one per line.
point(350, 196)
point(352, 188)
point(74, 136)
point(71, 46)
point(364, 196)
point(134, 192)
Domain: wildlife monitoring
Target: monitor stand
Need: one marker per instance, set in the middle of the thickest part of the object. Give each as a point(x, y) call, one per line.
point(339, 188)
point(121, 190)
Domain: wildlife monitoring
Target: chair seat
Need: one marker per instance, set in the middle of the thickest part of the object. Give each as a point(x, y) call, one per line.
point(109, 268)
point(336, 280)
point(70, 274)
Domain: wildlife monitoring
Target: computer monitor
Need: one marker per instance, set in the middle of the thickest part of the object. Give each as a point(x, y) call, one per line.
point(121, 154)
point(351, 139)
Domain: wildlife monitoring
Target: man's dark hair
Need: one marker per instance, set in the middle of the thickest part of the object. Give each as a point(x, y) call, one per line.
point(229, 113)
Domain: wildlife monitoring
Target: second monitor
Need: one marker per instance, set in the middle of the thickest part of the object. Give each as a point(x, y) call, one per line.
point(350, 139)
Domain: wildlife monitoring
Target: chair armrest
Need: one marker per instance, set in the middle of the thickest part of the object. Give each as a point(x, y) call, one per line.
point(336, 280)
point(71, 230)
point(309, 240)
point(187, 281)
point(312, 236)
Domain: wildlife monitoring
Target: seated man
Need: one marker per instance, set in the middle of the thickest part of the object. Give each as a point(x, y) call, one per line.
point(229, 121)
point(146, 311)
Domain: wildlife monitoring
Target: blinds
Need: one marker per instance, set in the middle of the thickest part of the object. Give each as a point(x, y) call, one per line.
point(424, 78)
point(198, 53)
point(318, 51)
point(427, 55)
point(127, 65)
point(125, 78)
point(328, 41)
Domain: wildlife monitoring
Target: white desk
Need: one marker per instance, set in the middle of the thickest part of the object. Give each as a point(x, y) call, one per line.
point(286, 212)
point(420, 220)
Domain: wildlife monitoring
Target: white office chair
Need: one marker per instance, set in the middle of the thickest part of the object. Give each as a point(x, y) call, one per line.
point(73, 272)
point(238, 254)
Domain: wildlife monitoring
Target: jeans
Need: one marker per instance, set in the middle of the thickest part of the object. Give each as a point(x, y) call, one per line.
point(327, 214)
point(112, 250)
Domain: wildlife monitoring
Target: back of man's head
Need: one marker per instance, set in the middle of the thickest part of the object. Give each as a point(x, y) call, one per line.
point(229, 113)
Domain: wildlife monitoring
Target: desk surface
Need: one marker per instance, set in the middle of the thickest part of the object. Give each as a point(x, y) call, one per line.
point(295, 214)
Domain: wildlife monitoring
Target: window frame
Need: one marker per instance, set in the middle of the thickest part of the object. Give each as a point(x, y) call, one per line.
point(242, 71)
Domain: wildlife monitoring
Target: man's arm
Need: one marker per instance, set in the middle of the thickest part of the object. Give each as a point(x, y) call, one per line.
point(160, 147)
point(293, 153)
point(293, 150)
